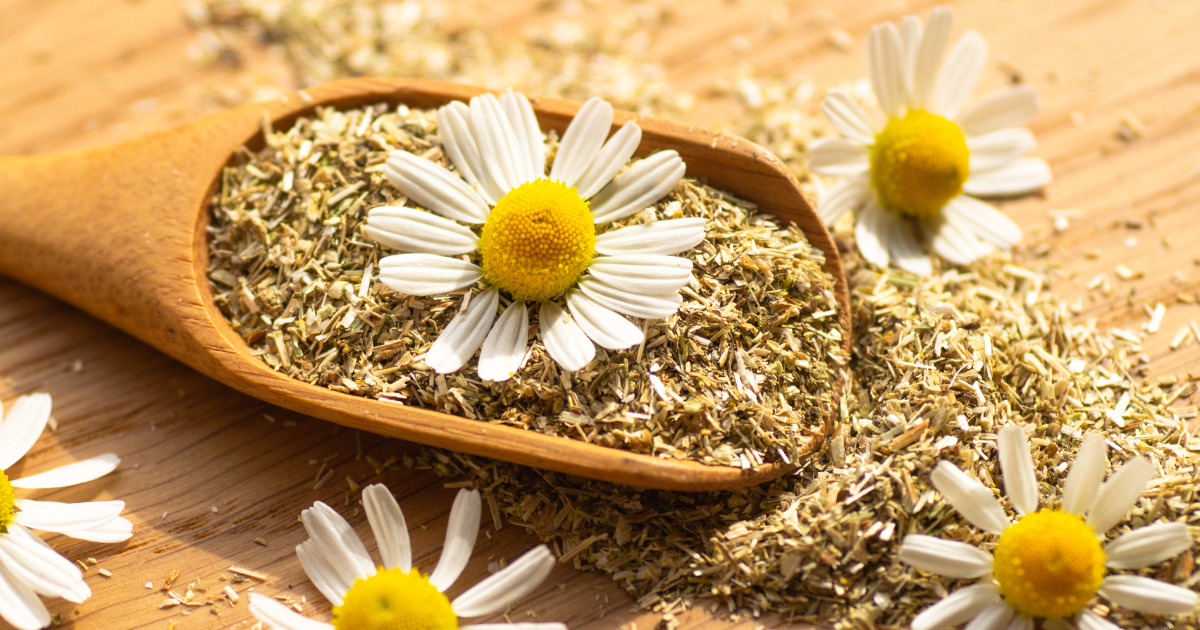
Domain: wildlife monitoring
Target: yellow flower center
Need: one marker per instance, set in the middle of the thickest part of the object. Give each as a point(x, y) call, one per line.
point(919, 162)
point(1049, 564)
point(394, 600)
point(538, 240)
point(8, 505)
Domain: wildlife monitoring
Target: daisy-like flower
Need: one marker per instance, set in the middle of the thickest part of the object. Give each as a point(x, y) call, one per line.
point(1050, 563)
point(919, 175)
point(541, 238)
point(394, 595)
point(28, 566)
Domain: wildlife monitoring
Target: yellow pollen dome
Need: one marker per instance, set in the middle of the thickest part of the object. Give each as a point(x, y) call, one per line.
point(1049, 564)
point(538, 240)
point(394, 600)
point(8, 506)
point(919, 162)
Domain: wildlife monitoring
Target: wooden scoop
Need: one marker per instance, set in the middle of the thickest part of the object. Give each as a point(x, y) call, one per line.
point(120, 231)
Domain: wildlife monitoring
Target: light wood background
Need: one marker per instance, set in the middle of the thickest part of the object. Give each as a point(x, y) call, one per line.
point(206, 471)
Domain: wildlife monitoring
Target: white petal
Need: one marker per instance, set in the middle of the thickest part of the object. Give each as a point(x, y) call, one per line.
point(945, 557)
point(114, 531)
point(65, 518)
point(957, 607)
point(999, 148)
point(632, 304)
point(564, 340)
point(903, 246)
point(1020, 622)
point(1016, 464)
point(19, 605)
point(508, 586)
point(952, 242)
point(334, 539)
point(280, 617)
point(972, 500)
point(639, 187)
point(885, 66)
point(846, 195)
point(1019, 177)
point(412, 230)
point(647, 274)
point(610, 160)
point(994, 617)
point(388, 526)
point(1085, 476)
point(1148, 595)
point(466, 332)
point(41, 568)
point(504, 349)
point(497, 142)
point(427, 274)
point(870, 234)
point(1119, 494)
point(960, 74)
point(529, 135)
point(71, 474)
point(1012, 106)
point(1088, 620)
point(433, 187)
point(985, 222)
point(661, 237)
point(461, 533)
point(515, 626)
point(581, 142)
point(454, 128)
point(321, 573)
point(22, 426)
point(838, 157)
point(1146, 546)
point(929, 55)
point(848, 117)
point(910, 41)
point(603, 326)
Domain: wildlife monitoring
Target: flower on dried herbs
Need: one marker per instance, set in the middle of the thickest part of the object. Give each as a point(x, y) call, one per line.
point(1050, 563)
point(921, 173)
point(539, 241)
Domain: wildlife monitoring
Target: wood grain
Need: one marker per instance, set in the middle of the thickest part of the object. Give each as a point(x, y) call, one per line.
point(80, 73)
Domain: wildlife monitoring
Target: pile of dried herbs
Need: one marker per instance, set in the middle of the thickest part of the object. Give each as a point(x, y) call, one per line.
point(739, 376)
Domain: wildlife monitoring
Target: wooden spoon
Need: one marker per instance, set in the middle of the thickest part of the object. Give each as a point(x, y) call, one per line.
point(120, 231)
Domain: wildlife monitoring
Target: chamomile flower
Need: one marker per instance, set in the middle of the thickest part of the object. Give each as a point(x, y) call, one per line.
point(917, 177)
point(538, 239)
point(28, 566)
point(366, 596)
point(1049, 564)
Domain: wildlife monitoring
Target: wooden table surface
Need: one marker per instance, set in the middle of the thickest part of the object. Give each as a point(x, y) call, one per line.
point(207, 471)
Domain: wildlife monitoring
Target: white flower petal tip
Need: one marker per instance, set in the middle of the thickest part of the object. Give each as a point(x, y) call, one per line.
point(984, 221)
point(465, 334)
point(1007, 107)
point(1088, 620)
point(581, 141)
point(502, 148)
point(334, 539)
point(1119, 494)
point(1148, 595)
point(870, 234)
point(71, 474)
point(1085, 476)
point(412, 230)
point(434, 188)
point(454, 128)
point(845, 114)
point(956, 608)
point(838, 157)
point(999, 148)
point(389, 527)
point(22, 425)
point(20, 605)
point(949, 558)
point(1147, 546)
point(927, 58)
point(969, 497)
point(1018, 177)
point(39, 567)
point(613, 156)
point(845, 196)
point(565, 341)
point(427, 274)
point(659, 306)
point(954, 242)
point(645, 274)
point(604, 327)
point(667, 237)
point(507, 587)
point(885, 67)
point(529, 136)
point(461, 534)
point(997, 616)
point(503, 350)
point(639, 187)
point(280, 617)
point(959, 75)
point(899, 237)
point(72, 519)
point(1016, 462)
